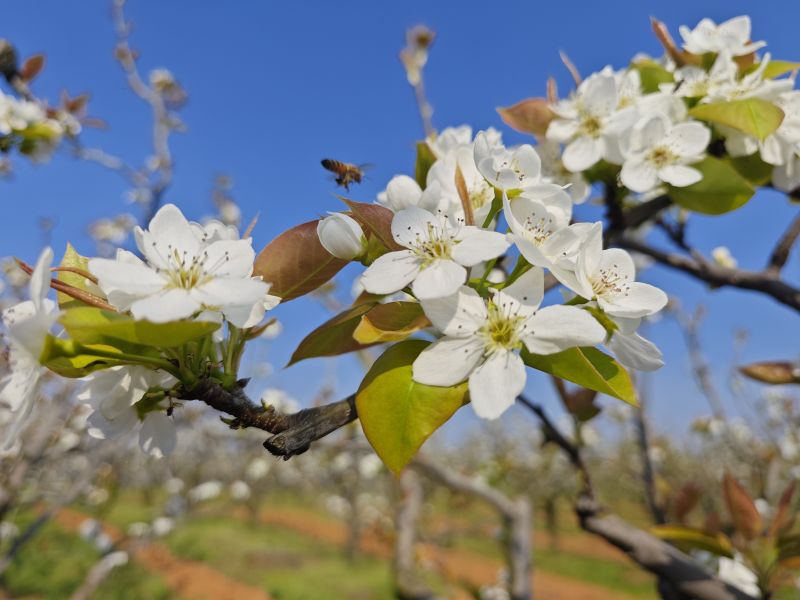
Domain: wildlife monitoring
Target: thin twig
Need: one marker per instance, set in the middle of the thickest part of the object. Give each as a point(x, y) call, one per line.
point(784, 246)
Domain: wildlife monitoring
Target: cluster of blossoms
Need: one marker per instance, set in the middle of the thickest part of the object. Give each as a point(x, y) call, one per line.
point(197, 275)
point(449, 238)
point(33, 129)
point(645, 120)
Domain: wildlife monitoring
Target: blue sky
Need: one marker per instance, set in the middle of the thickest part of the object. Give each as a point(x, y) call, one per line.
point(274, 87)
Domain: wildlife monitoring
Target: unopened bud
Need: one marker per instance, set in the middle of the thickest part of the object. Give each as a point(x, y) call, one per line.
point(342, 236)
point(775, 373)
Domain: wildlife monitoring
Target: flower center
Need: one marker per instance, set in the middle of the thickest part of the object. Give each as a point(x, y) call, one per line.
point(661, 156)
point(184, 272)
point(610, 282)
point(438, 245)
point(590, 125)
point(538, 228)
point(501, 330)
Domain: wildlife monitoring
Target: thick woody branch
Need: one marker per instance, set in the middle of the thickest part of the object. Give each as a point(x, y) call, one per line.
point(293, 434)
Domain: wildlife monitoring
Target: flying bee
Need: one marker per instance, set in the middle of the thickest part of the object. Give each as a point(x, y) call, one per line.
point(345, 172)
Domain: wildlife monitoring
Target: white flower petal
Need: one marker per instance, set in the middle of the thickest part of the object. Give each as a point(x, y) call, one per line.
point(131, 278)
point(40, 278)
point(495, 384)
point(680, 175)
point(459, 315)
point(582, 153)
point(556, 328)
point(410, 224)
point(447, 362)
point(438, 279)
point(477, 245)
point(634, 351)
point(171, 305)
point(640, 300)
point(689, 139)
point(401, 192)
point(639, 175)
point(526, 293)
point(158, 436)
point(228, 258)
point(391, 272)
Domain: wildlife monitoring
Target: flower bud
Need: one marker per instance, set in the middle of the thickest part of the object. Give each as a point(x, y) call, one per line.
point(342, 236)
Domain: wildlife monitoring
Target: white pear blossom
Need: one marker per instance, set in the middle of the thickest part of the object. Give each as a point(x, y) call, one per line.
point(481, 341)
point(442, 175)
point(183, 274)
point(633, 350)
point(507, 169)
point(554, 171)
point(734, 572)
point(608, 277)
point(113, 394)
point(590, 123)
point(436, 256)
point(731, 36)
point(452, 139)
point(658, 151)
point(27, 325)
point(341, 236)
point(404, 192)
point(723, 257)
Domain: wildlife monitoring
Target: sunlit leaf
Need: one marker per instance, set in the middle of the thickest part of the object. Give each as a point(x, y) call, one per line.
point(652, 75)
point(390, 322)
point(721, 190)
point(61, 357)
point(752, 116)
point(773, 372)
point(696, 539)
point(90, 325)
point(588, 367)
point(398, 414)
point(74, 260)
point(333, 337)
point(295, 263)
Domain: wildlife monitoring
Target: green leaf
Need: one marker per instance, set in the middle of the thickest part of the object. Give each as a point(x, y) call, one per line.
point(775, 68)
point(333, 337)
point(652, 75)
point(696, 539)
point(398, 414)
point(753, 116)
point(390, 322)
point(752, 168)
point(74, 260)
point(295, 263)
point(588, 367)
point(425, 159)
point(721, 190)
point(61, 356)
point(90, 325)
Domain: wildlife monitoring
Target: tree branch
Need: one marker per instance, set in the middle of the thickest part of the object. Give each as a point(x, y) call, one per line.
point(784, 246)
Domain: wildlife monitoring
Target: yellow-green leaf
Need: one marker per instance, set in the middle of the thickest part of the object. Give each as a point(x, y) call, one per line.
point(398, 414)
point(90, 325)
point(75, 261)
point(721, 190)
point(60, 356)
point(696, 539)
point(752, 116)
point(425, 159)
point(652, 75)
point(390, 322)
point(588, 367)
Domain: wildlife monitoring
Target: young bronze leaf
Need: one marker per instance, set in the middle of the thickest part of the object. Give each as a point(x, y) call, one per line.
point(295, 263)
point(374, 219)
point(744, 514)
point(775, 372)
point(684, 501)
point(785, 515)
point(390, 322)
point(399, 414)
point(32, 67)
point(333, 337)
point(532, 115)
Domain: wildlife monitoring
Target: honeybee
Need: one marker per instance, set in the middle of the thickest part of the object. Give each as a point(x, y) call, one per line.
point(345, 172)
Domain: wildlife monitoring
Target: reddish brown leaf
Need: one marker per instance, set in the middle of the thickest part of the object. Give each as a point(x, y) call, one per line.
point(744, 514)
point(295, 263)
point(532, 115)
point(774, 372)
point(390, 322)
point(784, 516)
point(374, 219)
point(333, 337)
point(463, 195)
point(681, 57)
point(552, 90)
point(684, 500)
point(32, 67)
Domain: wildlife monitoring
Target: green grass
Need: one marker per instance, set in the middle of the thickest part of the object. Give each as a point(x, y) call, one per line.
point(286, 564)
point(55, 562)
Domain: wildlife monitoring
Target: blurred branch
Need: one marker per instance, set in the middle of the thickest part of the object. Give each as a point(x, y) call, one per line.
point(690, 325)
point(784, 246)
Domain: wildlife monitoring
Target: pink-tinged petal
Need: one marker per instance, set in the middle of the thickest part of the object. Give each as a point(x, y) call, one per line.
point(391, 272)
point(459, 315)
point(640, 300)
point(447, 362)
point(638, 175)
point(556, 328)
point(438, 279)
point(171, 305)
point(582, 153)
point(495, 384)
point(412, 224)
point(680, 175)
point(478, 245)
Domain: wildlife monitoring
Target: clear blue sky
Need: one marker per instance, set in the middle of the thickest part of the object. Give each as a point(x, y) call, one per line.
point(276, 86)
